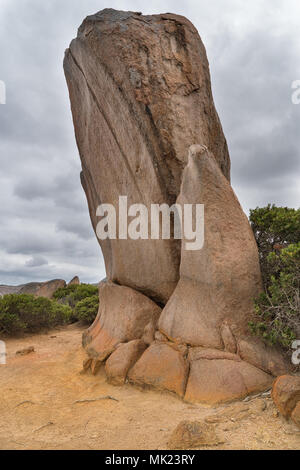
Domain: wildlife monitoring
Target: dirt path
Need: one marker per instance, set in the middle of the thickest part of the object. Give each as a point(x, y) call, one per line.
point(45, 405)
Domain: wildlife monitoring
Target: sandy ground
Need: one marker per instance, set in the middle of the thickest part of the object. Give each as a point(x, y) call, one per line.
point(45, 405)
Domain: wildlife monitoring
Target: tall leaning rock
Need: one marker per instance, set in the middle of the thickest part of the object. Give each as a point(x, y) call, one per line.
point(140, 95)
point(169, 318)
point(219, 281)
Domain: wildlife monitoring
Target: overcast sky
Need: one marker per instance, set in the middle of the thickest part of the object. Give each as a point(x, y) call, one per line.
point(254, 54)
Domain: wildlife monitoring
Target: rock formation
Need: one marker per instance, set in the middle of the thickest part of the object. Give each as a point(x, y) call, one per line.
point(4, 289)
point(39, 289)
point(123, 316)
point(191, 434)
point(146, 128)
point(42, 289)
point(140, 95)
point(286, 396)
point(48, 288)
point(74, 282)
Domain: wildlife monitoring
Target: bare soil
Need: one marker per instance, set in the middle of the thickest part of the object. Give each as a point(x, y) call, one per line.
point(47, 403)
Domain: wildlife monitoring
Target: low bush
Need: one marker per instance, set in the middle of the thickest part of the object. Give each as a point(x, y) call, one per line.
point(86, 310)
point(278, 308)
point(74, 293)
point(25, 313)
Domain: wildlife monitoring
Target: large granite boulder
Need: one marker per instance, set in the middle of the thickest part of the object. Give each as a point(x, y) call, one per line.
point(141, 102)
point(122, 359)
point(123, 316)
point(140, 94)
point(163, 367)
point(286, 395)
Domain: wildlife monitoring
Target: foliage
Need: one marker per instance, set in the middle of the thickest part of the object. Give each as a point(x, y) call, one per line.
point(274, 228)
point(277, 232)
point(26, 313)
point(74, 293)
point(86, 310)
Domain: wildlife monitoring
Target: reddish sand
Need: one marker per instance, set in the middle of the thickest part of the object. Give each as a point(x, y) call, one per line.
point(45, 405)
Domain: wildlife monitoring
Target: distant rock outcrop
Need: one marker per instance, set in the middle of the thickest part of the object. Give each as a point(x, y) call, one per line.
point(141, 101)
point(48, 288)
point(75, 281)
point(39, 289)
point(30, 288)
point(43, 289)
point(4, 290)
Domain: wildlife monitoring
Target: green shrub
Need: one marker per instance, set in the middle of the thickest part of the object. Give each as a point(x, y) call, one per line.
point(277, 232)
point(86, 310)
point(26, 313)
point(274, 228)
point(74, 293)
point(63, 292)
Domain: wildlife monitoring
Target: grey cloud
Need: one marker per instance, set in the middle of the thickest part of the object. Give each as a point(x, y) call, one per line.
point(252, 84)
point(36, 261)
point(30, 190)
point(254, 56)
point(48, 186)
point(30, 245)
point(76, 226)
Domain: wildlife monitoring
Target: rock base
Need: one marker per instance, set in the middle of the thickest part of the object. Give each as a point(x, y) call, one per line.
point(126, 339)
point(286, 396)
point(195, 374)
